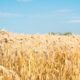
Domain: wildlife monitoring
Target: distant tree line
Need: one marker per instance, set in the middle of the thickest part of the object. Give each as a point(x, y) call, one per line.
point(66, 33)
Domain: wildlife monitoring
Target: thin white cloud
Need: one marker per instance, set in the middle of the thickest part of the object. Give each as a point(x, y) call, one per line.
point(74, 21)
point(5, 14)
point(63, 11)
point(24, 0)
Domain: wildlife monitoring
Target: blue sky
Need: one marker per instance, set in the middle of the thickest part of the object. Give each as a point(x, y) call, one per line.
point(40, 16)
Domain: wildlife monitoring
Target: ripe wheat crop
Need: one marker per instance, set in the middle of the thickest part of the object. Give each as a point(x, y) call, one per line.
point(39, 57)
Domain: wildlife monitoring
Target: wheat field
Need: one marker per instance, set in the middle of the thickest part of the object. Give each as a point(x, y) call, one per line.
point(39, 57)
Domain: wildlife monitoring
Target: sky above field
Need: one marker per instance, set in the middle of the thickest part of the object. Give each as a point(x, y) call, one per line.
point(40, 16)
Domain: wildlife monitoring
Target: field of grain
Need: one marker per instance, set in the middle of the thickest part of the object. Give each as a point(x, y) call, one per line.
point(39, 57)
